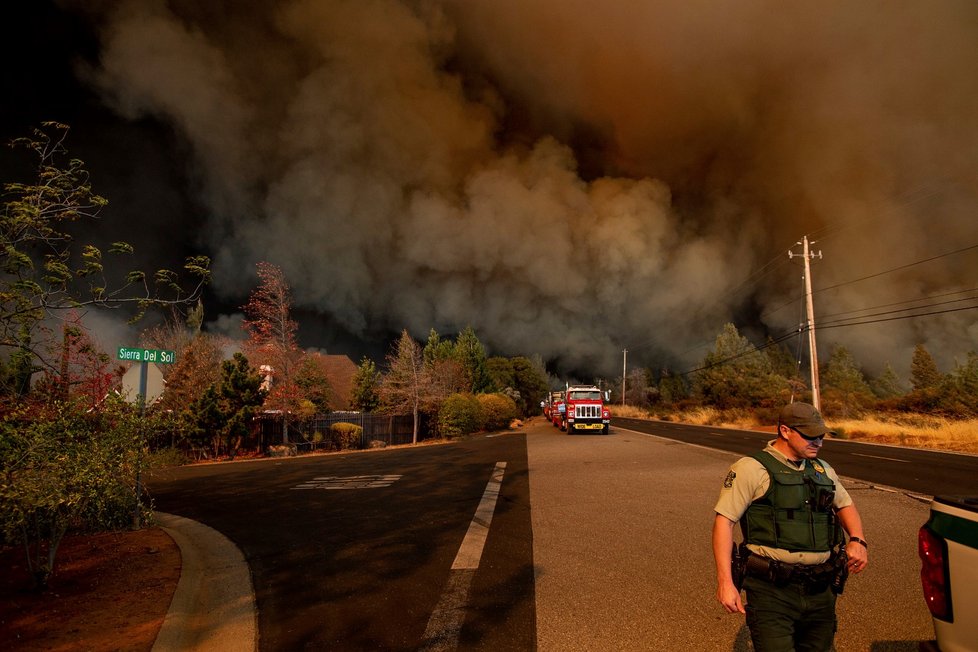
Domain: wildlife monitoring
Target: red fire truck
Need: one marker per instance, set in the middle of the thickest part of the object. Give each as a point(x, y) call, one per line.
point(553, 408)
point(585, 409)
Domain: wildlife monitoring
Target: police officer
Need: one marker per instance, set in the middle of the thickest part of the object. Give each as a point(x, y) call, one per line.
point(794, 559)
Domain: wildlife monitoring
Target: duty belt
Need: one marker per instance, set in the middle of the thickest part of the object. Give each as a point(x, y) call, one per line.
point(781, 573)
point(815, 577)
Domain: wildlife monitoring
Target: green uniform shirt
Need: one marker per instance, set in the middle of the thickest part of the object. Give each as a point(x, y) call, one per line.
point(748, 480)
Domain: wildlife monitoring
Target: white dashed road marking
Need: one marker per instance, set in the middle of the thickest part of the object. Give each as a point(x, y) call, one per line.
point(880, 457)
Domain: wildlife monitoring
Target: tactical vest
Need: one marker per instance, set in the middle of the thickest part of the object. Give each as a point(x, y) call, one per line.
point(795, 513)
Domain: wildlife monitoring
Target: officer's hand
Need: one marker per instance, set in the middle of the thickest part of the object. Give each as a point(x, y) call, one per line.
point(729, 597)
point(858, 556)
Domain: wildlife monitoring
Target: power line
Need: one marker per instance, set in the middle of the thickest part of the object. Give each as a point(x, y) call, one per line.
point(899, 303)
point(843, 323)
point(842, 315)
point(768, 313)
point(897, 269)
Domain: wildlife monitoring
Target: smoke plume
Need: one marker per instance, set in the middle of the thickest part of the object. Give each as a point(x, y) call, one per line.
point(574, 179)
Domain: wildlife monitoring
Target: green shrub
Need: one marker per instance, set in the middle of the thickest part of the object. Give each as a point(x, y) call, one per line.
point(459, 415)
point(165, 457)
point(68, 469)
point(498, 410)
point(345, 436)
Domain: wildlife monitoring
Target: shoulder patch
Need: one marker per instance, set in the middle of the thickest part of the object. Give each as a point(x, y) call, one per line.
point(728, 481)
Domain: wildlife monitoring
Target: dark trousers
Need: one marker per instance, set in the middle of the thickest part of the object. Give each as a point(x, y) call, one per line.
point(789, 618)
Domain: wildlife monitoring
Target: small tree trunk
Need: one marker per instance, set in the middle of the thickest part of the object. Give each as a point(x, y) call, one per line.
point(414, 433)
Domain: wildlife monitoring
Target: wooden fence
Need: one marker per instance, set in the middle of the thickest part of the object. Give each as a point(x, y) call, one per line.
point(267, 429)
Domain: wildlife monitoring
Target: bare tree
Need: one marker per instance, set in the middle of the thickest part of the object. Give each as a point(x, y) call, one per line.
point(406, 383)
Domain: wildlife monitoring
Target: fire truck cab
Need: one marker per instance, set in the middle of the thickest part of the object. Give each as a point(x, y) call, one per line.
point(585, 409)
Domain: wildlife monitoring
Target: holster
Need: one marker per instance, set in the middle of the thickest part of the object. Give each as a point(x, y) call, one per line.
point(840, 563)
point(738, 564)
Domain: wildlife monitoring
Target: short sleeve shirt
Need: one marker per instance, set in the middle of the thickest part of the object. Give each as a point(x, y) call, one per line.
point(748, 481)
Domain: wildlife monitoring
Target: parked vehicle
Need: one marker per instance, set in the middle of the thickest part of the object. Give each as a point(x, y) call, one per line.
point(557, 409)
point(948, 548)
point(585, 409)
point(549, 405)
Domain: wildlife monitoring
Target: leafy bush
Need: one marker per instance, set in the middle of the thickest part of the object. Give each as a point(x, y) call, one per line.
point(345, 436)
point(498, 410)
point(66, 468)
point(165, 457)
point(460, 415)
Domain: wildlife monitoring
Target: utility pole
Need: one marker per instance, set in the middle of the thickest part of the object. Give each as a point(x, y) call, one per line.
point(624, 365)
point(807, 255)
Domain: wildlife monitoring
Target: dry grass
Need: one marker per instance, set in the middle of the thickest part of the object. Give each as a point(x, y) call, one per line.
point(915, 430)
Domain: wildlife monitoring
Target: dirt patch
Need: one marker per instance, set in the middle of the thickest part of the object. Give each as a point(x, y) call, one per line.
point(110, 591)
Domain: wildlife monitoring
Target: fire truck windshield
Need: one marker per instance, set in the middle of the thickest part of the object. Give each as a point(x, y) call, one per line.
point(585, 396)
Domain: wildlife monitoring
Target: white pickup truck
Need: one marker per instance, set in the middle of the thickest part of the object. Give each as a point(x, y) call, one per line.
point(948, 548)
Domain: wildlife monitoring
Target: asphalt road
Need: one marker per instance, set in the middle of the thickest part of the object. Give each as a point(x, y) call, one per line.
point(353, 551)
point(621, 527)
point(596, 542)
point(922, 472)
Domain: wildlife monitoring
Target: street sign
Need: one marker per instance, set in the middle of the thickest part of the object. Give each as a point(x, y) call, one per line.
point(147, 355)
point(143, 391)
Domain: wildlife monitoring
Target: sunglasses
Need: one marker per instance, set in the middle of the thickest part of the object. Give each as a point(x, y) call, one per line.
point(804, 436)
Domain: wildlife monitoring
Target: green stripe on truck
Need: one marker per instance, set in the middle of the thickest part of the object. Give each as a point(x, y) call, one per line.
point(954, 528)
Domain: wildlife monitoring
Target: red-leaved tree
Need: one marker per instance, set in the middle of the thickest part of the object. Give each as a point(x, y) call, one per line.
point(83, 371)
point(272, 341)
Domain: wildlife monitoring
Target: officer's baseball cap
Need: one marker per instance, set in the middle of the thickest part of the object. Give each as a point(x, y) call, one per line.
point(805, 419)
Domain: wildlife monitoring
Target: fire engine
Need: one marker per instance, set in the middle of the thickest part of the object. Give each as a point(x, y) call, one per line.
point(585, 409)
point(554, 408)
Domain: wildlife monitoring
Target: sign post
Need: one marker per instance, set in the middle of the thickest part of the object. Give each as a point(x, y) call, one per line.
point(143, 357)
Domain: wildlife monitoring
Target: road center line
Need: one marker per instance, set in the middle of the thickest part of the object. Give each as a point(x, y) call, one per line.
point(446, 620)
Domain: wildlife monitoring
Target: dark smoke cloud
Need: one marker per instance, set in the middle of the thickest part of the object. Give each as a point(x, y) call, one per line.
point(571, 179)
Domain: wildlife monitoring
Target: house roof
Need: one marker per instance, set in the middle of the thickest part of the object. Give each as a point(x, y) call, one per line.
point(341, 371)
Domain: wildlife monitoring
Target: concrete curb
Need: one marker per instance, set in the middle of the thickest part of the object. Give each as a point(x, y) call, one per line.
point(213, 608)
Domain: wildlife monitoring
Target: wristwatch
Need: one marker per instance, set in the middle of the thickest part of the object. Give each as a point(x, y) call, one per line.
point(861, 542)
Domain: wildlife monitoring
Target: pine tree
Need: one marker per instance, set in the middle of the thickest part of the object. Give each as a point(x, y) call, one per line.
point(500, 372)
point(783, 362)
point(924, 373)
point(530, 381)
point(471, 354)
point(220, 416)
point(843, 376)
point(437, 348)
point(887, 384)
point(312, 379)
point(736, 374)
point(241, 397)
point(366, 396)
